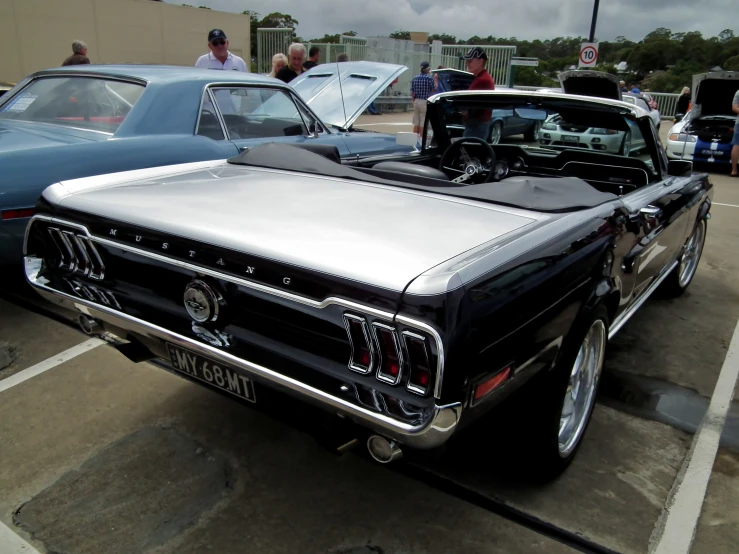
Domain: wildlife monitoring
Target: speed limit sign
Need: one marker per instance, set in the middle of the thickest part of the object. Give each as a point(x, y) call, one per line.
point(588, 54)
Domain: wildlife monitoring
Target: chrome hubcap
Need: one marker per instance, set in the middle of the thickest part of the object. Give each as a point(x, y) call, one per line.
point(691, 255)
point(495, 134)
point(627, 145)
point(581, 389)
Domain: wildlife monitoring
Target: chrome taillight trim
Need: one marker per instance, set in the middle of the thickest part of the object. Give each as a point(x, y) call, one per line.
point(95, 259)
point(81, 250)
point(78, 254)
point(414, 388)
point(380, 375)
point(68, 259)
point(368, 340)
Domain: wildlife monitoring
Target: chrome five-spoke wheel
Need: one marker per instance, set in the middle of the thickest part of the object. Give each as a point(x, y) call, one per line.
point(691, 254)
point(583, 383)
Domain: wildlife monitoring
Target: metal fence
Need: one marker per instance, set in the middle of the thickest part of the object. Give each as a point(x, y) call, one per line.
point(269, 43)
point(355, 47)
point(499, 59)
point(667, 103)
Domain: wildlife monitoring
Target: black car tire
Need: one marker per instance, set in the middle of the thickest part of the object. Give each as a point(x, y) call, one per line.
point(679, 279)
point(532, 134)
point(624, 151)
point(538, 456)
point(495, 126)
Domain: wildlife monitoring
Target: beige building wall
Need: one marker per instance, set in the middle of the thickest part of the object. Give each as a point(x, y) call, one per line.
point(38, 34)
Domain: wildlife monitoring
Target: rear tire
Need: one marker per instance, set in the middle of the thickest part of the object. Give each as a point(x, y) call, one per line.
point(678, 281)
point(555, 414)
point(496, 133)
point(532, 134)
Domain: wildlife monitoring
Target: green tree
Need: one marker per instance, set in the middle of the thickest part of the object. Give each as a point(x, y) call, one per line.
point(444, 38)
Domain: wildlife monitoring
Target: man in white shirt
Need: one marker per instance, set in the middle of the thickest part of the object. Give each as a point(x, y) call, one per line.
point(219, 57)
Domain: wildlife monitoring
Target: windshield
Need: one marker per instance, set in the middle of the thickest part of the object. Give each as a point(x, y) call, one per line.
point(83, 102)
point(547, 129)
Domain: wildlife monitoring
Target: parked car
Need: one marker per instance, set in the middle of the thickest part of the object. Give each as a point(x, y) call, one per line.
point(504, 123)
point(79, 121)
point(559, 132)
point(408, 297)
point(704, 134)
point(645, 102)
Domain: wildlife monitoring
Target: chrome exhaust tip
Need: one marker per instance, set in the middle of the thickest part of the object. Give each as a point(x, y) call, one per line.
point(89, 325)
point(383, 450)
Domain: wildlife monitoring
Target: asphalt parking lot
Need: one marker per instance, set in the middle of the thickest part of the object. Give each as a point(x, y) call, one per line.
point(98, 454)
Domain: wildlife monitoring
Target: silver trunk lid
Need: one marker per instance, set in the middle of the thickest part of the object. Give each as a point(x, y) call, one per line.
point(339, 92)
point(375, 234)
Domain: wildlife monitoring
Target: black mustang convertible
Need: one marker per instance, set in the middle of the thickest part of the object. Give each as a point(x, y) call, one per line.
point(408, 295)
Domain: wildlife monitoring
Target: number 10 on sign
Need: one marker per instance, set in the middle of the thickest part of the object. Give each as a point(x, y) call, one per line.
point(588, 54)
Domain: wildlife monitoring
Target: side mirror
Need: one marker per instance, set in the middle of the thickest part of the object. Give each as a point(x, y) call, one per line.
point(405, 138)
point(312, 129)
point(679, 117)
point(679, 168)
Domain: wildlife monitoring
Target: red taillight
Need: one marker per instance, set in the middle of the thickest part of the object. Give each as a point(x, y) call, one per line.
point(16, 214)
point(419, 379)
point(361, 351)
point(490, 384)
point(391, 360)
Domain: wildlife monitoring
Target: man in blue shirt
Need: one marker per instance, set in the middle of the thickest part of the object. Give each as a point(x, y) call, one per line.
point(422, 86)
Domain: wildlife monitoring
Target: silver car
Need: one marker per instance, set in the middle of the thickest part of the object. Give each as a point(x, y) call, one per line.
point(558, 132)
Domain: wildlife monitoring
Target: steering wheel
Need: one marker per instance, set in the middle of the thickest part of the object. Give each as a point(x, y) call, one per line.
point(473, 171)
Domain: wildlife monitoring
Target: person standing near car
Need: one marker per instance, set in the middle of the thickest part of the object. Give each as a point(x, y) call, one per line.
point(79, 54)
point(477, 121)
point(219, 57)
point(683, 101)
point(422, 86)
point(313, 56)
point(295, 59)
point(735, 141)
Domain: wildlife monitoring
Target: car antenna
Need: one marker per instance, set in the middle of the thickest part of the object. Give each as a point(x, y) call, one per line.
point(341, 90)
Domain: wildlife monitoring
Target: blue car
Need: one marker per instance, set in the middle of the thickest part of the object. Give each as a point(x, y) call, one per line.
point(80, 121)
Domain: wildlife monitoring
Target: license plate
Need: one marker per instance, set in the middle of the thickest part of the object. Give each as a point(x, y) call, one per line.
point(211, 372)
point(712, 153)
point(570, 138)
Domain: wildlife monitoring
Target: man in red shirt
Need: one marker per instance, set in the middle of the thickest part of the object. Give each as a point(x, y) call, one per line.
point(477, 123)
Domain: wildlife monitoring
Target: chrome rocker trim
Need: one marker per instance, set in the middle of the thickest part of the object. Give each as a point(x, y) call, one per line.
point(332, 300)
point(433, 432)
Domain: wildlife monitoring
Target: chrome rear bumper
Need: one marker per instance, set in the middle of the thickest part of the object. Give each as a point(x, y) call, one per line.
point(435, 429)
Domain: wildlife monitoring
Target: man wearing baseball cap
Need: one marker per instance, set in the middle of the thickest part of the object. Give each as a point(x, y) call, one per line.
point(477, 123)
point(219, 57)
point(422, 86)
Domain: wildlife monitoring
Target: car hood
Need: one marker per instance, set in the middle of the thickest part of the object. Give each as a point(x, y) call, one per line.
point(713, 93)
point(591, 83)
point(16, 135)
point(338, 93)
point(379, 235)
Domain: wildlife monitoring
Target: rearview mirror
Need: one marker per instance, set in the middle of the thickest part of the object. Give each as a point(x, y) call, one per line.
point(405, 138)
point(679, 168)
point(527, 113)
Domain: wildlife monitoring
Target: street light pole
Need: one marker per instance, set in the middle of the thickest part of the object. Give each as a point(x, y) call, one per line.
point(592, 24)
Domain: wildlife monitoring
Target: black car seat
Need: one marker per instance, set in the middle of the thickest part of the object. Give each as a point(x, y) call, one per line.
point(412, 169)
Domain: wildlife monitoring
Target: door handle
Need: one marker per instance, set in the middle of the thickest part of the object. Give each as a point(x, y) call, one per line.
point(651, 211)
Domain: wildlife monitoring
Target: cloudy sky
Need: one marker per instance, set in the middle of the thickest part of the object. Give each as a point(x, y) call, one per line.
point(503, 18)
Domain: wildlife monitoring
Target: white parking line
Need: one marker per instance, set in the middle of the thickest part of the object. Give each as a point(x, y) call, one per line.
point(10, 543)
point(679, 519)
point(719, 204)
point(49, 363)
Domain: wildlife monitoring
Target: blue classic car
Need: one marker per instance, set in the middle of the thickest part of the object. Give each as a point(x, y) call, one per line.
point(81, 121)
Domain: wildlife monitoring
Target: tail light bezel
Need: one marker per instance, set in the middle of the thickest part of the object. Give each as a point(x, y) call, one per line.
point(77, 253)
point(353, 365)
point(381, 375)
point(421, 390)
